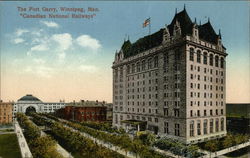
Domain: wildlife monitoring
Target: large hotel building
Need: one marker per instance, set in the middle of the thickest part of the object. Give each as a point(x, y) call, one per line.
point(172, 82)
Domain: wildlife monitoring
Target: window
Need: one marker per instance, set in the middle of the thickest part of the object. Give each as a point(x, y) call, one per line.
point(165, 112)
point(198, 113)
point(143, 65)
point(191, 113)
point(128, 69)
point(221, 111)
point(198, 128)
point(166, 127)
point(156, 119)
point(191, 67)
point(138, 67)
point(211, 112)
point(205, 127)
point(191, 128)
point(191, 55)
point(217, 125)
point(198, 56)
point(211, 125)
point(191, 76)
point(205, 112)
point(205, 58)
point(156, 61)
point(216, 61)
point(149, 63)
point(176, 113)
point(133, 68)
point(211, 58)
point(222, 124)
point(177, 129)
point(221, 62)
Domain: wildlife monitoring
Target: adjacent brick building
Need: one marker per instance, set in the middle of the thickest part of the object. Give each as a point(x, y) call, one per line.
point(84, 111)
point(6, 112)
point(173, 81)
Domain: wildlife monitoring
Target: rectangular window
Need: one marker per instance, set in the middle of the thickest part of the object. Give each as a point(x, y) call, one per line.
point(166, 127)
point(176, 113)
point(177, 129)
point(165, 112)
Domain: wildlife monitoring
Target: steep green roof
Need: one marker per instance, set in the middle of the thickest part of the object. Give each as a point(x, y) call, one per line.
point(142, 44)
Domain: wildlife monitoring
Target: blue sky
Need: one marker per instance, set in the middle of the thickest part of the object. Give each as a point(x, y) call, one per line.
point(72, 58)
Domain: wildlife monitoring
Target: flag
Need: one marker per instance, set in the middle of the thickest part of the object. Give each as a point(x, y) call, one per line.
point(146, 23)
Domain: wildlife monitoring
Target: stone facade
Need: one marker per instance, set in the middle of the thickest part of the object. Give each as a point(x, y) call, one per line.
point(174, 81)
point(30, 102)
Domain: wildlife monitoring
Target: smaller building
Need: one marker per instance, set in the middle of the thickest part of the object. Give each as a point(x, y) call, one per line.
point(84, 111)
point(6, 109)
point(30, 103)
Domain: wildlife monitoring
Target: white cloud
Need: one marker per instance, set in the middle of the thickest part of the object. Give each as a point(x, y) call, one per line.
point(64, 40)
point(39, 47)
point(18, 40)
point(20, 32)
point(88, 42)
point(40, 71)
point(50, 24)
point(88, 68)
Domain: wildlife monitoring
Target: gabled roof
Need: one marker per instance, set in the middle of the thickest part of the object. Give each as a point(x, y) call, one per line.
point(185, 23)
point(207, 33)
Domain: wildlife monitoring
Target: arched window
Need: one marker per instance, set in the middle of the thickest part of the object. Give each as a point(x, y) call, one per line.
point(211, 60)
point(205, 58)
point(217, 125)
point(156, 61)
point(198, 56)
point(128, 69)
point(149, 63)
point(216, 61)
point(205, 127)
point(143, 65)
point(222, 124)
point(191, 55)
point(211, 125)
point(138, 67)
point(133, 68)
point(191, 128)
point(221, 62)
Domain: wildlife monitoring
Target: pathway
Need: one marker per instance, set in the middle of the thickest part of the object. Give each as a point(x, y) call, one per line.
point(224, 151)
point(24, 148)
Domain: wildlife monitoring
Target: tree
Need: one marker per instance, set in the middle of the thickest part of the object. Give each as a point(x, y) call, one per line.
point(228, 141)
point(147, 138)
point(212, 145)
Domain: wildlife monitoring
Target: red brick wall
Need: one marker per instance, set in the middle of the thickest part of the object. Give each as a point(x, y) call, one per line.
point(85, 113)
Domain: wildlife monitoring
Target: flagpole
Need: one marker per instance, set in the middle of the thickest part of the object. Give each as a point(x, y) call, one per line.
point(149, 27)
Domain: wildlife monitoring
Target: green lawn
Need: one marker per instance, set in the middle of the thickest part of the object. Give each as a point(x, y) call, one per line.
point(9, 146)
